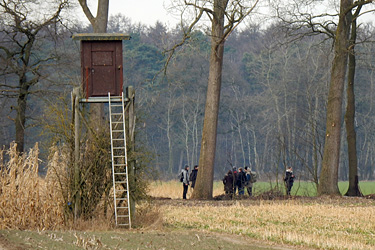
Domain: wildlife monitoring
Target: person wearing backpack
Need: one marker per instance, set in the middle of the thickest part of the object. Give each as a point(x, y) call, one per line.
point(249, 184)
point(289, 180)
point(251, 177)
point(185, 181)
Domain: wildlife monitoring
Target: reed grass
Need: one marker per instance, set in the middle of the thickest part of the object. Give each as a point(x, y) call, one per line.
point(26, 200)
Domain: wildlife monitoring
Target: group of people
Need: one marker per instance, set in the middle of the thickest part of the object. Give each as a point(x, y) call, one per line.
point(187, 179)
point(234, 180)
point(245, 178)
point(240, 180)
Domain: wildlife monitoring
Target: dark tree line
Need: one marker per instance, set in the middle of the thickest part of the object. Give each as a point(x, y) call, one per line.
point(273, 98)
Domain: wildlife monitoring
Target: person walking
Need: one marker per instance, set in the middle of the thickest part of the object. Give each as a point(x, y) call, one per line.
point(289, 180)
point(193, 176)
point(228, 184)
point(185, 181)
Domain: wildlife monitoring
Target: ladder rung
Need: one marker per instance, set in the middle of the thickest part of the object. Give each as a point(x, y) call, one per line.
point(121, 190)
point(117, 131)
point(119, 156)
point(122, 199)
point(118, 139)
point(118, 147)
point(117, 122)
point(116, 113)
point(118, 224)
point(116, 105)
point(120, 182)
point(120, 173)
point(122, 216)
point(119, 165)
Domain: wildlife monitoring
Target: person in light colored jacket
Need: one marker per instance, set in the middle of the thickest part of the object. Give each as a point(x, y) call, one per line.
point(185, 181)
point(249, 183)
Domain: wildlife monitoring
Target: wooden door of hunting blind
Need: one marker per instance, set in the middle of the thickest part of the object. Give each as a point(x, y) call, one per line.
point(102, 68)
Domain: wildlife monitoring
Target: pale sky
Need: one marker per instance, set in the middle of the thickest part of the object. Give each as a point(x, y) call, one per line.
point(144, 11)
point(149, 11)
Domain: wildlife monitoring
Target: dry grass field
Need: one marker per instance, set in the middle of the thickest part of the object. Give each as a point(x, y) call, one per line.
point(173, 189)
point(307, 222)
point(316, 224)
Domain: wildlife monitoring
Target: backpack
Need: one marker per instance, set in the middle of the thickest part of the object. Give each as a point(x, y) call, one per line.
point(248, 179)
point(182, 176)
point(253, 177)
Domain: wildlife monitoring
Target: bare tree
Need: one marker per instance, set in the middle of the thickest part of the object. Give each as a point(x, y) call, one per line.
point(23, 26)
point(342, 45)
point(331, 156)
point(224, 17)
point(325, 23)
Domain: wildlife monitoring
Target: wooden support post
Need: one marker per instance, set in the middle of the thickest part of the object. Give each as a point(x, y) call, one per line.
point(130, 94)
point(77, 172)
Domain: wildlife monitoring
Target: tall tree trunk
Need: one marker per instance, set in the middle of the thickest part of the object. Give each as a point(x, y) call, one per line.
point(350, 115)
point(101, 20)
point(331, 156)
point(20, 121)
point(204, 184)
point(98, 23)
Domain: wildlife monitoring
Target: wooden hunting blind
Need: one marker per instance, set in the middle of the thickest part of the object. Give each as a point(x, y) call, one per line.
point(102, 82)
point(101, 63)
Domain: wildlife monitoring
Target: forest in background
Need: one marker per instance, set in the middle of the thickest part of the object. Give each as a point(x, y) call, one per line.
point(273, 98)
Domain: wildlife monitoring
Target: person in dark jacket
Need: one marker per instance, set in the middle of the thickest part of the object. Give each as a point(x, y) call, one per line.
point(289, 180)
point(185, 181)
point(228, 184)
point(241, 180)
point(193, 176)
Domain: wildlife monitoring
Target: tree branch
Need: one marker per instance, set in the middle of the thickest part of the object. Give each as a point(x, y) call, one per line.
point(87, 11)
point(186, 37)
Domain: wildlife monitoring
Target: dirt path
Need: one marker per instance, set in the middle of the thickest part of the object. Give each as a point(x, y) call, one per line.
point(133, 239)
point(6, 245)
point(156, 236)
